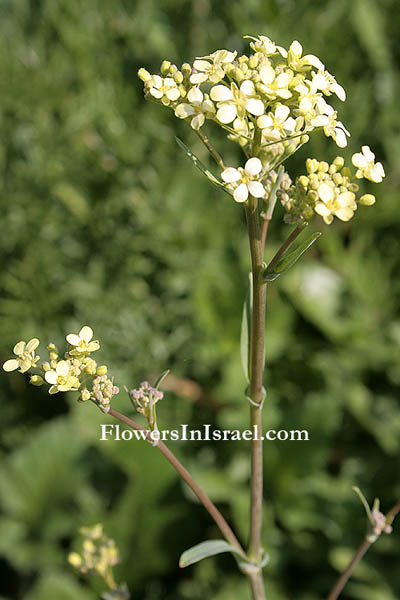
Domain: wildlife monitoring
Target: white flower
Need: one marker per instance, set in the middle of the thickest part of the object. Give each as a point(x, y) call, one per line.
point(26, 356)
point(235, 102)
point(341, 205)
point(365, 162)
point(273, 85)
point(299, 63)
point(277, 125)
point(199, 107)
point(326, 82)
point(244, 181)
point(266, 46)
point(81, 343)
point(62, 379)
point(165, 89)
point(212, 71)
point(332, 128)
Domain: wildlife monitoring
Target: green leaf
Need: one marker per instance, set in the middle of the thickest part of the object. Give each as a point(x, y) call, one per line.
point(246, 328)
point(289, 259)
point(203, 550)
point(161, 378)
point(202, 167)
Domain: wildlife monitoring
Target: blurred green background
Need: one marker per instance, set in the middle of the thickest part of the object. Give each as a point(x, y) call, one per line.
point(105, 222)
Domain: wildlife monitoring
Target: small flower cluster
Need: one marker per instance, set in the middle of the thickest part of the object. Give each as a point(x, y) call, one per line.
point(273, 93)
point(145, 399)
point(329, 190)
point(99, 555)
point(72, 373)
point(380, 523)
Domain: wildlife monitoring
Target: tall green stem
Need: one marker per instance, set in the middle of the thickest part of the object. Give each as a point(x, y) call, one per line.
point(256, 392)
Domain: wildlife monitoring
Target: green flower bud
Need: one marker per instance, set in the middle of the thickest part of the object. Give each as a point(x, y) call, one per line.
point(304, 139)
point(312, 165)
point(186, 69)
point(253, 61)
point(332, 169)
point(346, 172)
point(243, 59)
point(102, 370)
point(337, 179)
point(304, 181)
point(238, 75)
point(172, 70)
point(353, 187)
point(339, 162)
point(182, 91)
point(323, 166)
point(367, 200)
point(46, 366)
point(36, 380)
point(144, 75)
point(178, 77)
point(53, 355)
point(165, 66)
point(308, 213)
point(313, 195)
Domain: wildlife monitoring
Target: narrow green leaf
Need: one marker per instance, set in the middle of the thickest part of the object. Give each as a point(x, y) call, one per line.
point(161, 378)
point(290, 258)
point(202, 167)
point(246, 328)
point(203, 550)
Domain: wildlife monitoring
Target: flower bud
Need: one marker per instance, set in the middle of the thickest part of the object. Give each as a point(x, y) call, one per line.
point(238, 75)
point(46, 366)
point(346, 172)
point(367, 200)
point(84, 396)
point(144, 75)
point(74, 559)
point(323, 166)
point(311, 165)
point(186, 70)
point(353, 187)
point(53, 355)
point(102, 370)
point(165, 66)
point(253, 61)
point(36, 380)
point(337, 179)
point(243, 59)
point(339, 162)
point(304, 181)
point(313, 195)
point(178, 77)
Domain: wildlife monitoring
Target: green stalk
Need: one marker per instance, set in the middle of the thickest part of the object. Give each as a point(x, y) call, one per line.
point(256, 394)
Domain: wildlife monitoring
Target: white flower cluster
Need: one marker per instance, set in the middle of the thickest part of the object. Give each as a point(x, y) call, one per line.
point(278, 91)
point(330, 190)
point(73, 372)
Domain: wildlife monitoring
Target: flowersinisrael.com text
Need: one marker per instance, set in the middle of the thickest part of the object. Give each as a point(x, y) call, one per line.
point(205, 434)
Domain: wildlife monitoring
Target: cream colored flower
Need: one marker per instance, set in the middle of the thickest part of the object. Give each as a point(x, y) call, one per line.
point(275, 85)
point(199, 107)
point(326, 82)
point(244, 181)
point(299, 63)
point(25, 356)
point(163, 89)
point(81, 343)
point(61, 379)
point(341, 205)
point(332, 128)
point(212, 68)
point(266, 46)
point(365, 163)
point(278, 124)
point(235, 102)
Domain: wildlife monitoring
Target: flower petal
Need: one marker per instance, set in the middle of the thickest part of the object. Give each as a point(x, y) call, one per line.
point(247, 88)
point(322, 209)
point(184, 110)
point(195, 95)
point(32, 345)
point(230, 175)
point(344, 214)
point(241, 193)
point(62, 368)
point(86, 333)
point(11, 365)
point(255, 107)
point(221, 93)
point(325, 192)
point(253, 166)
point(73, 339)
point(51, 377)
point(256, 189)
point(267, 74)
point(227, 113)
point(19, 348)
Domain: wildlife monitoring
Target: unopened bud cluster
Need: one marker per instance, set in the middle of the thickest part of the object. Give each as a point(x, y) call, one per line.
point(328, 190)
point(145, 397)
point(75, 371)
point(99, 554)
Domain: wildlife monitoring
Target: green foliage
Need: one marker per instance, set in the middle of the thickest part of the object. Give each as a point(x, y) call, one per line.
point(105, 222)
